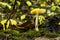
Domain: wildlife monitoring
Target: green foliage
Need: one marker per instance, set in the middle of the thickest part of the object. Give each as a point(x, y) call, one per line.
point(58, 1)
point(2, 33)
point(30, 32)
point(43, 4)
point(28, 3)
point(13, 22)
point(5, 4)
point(41, 19)
point(15, 32)
point(52, 35)
point(33, 33)
point(22, 13)
point(12, 1)
point(23, 17)
point(16, 38)
point(3, 23)
point(53, 8)
point(18, 3)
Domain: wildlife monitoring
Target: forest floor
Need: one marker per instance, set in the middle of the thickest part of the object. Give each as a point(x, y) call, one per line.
point(44, 38)
point(37, 38)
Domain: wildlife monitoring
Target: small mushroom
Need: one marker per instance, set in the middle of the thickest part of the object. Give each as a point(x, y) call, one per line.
point(37, 11)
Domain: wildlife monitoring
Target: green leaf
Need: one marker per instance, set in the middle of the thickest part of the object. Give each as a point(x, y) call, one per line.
point(12, 1)
point(5, 4)
point(53, 8)
point(15, 32)
point(9, 6)
point(59, 23)
point(3, 23)
point(57, 1)
point(18, 3)
point(43, 4)
point(23, 17)
point(47, 0)
point(13, 22)
point(41, 18)
point(28, 3)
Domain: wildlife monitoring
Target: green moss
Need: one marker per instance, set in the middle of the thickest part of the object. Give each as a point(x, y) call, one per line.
point(52, 35)
point(14, 32)
point(2, 33)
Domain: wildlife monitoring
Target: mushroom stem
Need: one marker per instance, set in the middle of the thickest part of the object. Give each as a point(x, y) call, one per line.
point(36, 23)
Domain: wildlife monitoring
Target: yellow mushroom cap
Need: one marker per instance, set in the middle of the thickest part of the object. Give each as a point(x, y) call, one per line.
point(38, 11)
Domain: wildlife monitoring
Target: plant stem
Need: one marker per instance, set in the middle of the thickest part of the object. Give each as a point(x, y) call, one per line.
point(4, 27)
point(36, 23)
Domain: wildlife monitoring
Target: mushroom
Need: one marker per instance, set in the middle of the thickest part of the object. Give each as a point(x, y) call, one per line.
point(37, 11)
